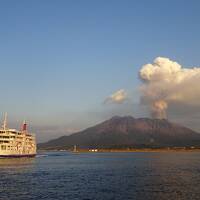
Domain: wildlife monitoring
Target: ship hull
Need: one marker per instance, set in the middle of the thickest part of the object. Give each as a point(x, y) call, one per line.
point(18, 156)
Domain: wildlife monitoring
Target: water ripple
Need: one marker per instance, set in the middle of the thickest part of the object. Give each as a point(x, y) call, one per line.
point(101, 176)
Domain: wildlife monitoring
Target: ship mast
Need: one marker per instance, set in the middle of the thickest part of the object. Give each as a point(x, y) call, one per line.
point(5, 121)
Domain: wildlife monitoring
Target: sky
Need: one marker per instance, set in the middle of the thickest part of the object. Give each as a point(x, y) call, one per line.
point(61, 61)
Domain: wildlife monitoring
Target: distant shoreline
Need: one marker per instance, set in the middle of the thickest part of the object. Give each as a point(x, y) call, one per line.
point(143, 150)
point(140, 150)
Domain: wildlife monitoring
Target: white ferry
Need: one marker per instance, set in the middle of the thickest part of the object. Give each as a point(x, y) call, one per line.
point(14, 143)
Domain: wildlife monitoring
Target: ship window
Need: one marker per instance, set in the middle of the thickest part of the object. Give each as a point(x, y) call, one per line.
point(3, 147)
point(4, 136)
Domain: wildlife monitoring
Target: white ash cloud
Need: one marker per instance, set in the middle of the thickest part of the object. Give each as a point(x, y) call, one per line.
point(118, 97)
point(165, 82)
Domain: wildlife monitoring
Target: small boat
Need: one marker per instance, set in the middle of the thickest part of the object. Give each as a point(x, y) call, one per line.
point(14, 143)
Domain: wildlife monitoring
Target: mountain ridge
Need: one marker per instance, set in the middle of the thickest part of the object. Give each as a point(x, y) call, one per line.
point(128, 131)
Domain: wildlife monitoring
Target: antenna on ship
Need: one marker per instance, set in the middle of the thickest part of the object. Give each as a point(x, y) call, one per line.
point(5, 121)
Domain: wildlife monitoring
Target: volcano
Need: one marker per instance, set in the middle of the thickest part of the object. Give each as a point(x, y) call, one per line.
point(128, 132)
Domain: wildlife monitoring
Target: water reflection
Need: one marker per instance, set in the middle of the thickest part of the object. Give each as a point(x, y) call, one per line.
point(19, 164)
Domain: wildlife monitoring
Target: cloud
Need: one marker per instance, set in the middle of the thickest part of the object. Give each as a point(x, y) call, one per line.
point(118, 97)
point(47, 132)
point(166, 82)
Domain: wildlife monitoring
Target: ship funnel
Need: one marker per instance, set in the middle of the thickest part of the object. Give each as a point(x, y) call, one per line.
point(24, 126)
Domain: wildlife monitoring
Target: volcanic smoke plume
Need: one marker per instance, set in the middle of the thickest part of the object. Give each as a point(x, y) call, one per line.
point(158, 109)
point(165, 82)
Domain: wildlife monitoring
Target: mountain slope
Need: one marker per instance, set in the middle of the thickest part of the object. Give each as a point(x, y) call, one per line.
point(128, 132)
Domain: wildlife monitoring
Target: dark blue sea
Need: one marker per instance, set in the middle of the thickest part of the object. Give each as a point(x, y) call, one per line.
point(102, 176)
